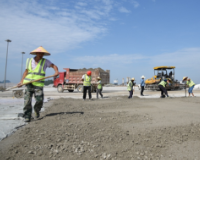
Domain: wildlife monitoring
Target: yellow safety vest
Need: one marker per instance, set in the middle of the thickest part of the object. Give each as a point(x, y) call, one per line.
point(99, 85)
point(130, 86)
point(87, 80)
point(37, 73)
point(163, 83)
point(190, 83)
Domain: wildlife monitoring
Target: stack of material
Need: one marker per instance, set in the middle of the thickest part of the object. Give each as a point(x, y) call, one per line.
point(1, 88)
point(92, 69)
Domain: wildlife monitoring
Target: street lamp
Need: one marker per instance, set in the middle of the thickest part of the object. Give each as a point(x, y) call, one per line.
point(6, 63)
point(22, 64)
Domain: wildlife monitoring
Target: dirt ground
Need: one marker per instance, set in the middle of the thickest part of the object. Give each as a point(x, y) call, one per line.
point(116, 128)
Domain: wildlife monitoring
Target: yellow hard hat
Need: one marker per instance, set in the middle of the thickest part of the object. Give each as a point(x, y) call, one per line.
point(133, 79)
point(40, 50)
point(98, 78)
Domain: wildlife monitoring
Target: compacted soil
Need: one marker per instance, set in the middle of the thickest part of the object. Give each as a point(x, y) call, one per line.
point(115, 128)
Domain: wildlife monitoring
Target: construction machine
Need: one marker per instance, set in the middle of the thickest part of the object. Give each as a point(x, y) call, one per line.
point(161, 73)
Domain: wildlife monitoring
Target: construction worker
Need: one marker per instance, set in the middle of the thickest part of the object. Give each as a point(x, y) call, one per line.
point(35, 69)
point(99, 87)
point(190, 84)
point(86, 78)
point(142, 84)
point(162, 86)
point(130, 87)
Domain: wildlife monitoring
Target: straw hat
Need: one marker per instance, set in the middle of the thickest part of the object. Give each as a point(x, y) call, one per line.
point(98, 78)
point(142, 76)
point(184, 78)
point(169, 79)
point(133, 79)
point(40, 50)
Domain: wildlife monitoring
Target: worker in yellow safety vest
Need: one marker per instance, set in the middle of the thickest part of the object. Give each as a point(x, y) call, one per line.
point(99, 87)
point(190, 84)
point(130, 85)
point(86, 78)
point(35, 69)
point(162, 87)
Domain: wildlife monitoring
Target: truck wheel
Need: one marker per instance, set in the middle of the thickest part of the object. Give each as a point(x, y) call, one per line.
point(60, 89)
point(80, 88)
point(70, 90)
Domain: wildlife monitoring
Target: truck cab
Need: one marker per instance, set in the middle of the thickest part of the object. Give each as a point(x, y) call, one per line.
point(59, 79)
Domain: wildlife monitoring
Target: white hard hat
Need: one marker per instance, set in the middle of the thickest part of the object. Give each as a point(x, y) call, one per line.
point(142, 76)
point(133, 79)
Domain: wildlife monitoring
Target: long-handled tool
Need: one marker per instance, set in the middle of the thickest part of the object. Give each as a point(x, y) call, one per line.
point(31, 82)
point(185, 89)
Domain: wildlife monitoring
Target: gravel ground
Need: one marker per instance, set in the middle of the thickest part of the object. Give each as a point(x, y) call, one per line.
point(110, 129)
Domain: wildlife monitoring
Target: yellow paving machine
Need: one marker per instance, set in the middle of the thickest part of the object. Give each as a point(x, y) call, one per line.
point(161, 73)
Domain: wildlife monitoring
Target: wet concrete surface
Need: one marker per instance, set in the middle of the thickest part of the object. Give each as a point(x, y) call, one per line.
point(115, 128)
point(10, 107)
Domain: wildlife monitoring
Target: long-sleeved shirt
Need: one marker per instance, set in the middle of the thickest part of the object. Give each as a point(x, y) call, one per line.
point(142, 82)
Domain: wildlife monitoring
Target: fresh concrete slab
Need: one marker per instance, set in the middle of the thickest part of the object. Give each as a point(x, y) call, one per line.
point(9, 119)
point(10, 107)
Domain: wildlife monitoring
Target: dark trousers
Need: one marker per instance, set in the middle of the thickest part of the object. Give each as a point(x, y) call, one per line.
point(85, 88)
point(163, 90)
point(39, 97)
point(99, 92)
point(142, 90)
point(130, 94)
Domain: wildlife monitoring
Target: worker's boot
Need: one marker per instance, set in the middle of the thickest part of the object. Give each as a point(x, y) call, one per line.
point(27, 119)
point(37, 115)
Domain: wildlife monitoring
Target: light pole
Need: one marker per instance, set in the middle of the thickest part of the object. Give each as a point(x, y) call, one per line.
point(6, 63)
point(22, 64)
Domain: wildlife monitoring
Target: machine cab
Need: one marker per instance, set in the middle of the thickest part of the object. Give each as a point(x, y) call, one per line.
point(164, 72)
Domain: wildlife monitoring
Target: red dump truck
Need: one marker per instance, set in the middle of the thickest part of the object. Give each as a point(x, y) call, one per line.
point(71, 79)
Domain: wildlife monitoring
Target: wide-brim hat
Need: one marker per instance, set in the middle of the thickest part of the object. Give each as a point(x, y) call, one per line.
point(98, 78)
point(169, 79)
point(40, 50)
point(184, 78)
point(142, 76)
point(133, 79)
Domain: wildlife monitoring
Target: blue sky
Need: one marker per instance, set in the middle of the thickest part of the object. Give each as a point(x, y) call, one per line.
point(129, 37)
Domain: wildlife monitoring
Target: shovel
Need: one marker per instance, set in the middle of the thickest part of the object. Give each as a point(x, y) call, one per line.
point(30, 82)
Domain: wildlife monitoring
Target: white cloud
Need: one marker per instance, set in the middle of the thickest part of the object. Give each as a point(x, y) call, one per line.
point(112, 59)
point(135, 4)
point(57, 27)
point(183, 58)
point(123, 10)
point(186, 61)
